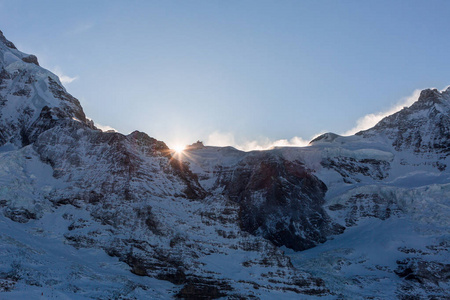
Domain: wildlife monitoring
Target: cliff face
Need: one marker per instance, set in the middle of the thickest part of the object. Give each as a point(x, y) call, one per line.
point(279, 199)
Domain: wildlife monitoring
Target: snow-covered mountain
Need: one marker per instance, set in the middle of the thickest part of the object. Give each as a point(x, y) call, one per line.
point(388, 186)
point(88, 214)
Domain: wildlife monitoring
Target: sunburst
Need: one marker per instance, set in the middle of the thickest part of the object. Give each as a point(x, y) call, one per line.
point(178, 149)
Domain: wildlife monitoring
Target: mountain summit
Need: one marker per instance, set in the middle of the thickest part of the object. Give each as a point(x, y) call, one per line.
point(423, 127)
point(32, 99)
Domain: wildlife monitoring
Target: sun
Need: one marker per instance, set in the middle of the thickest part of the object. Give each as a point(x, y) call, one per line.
point(178, 149)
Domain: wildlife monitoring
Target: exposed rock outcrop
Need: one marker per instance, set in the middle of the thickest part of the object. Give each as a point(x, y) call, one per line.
point(32, 59)
point(279, 200)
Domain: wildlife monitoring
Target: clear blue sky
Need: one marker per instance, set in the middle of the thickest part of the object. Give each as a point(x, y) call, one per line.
point(251, 70)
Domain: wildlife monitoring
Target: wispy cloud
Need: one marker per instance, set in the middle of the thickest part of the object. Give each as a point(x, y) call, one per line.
point(62, 77)
point(228, 139)
point(81, 27)
point(220, 139)
point(104, 127)
point(444, 89)
point(223, 139)
point(370, 120)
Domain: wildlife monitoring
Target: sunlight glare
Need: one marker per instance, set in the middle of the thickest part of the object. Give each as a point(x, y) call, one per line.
point(178, 149)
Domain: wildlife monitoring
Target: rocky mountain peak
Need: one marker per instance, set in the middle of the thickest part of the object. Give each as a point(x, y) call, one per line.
point(146, 144)
point(32, 99)
point(196, 145)
point(429, 93)
point(6, 42)
point(326, 137)
point(423, 127)
point(431, 97)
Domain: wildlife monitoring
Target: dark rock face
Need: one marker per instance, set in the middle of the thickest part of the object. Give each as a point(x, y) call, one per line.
point(279, 200)
point(422, 271)
point(349, 168)
point(72, 107)
point(366, 205)
point(44, 122)
point(198, 288)
point(6, 42)
point(32, 59)
point(19, 215)
point(431, 276)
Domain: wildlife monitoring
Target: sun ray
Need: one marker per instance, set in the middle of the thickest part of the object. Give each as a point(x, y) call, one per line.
point(179, 149)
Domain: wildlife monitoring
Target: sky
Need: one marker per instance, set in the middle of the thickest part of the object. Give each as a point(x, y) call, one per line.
point(249, 74)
